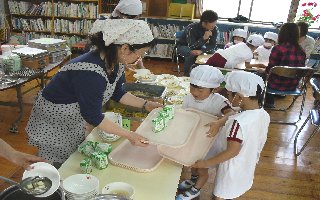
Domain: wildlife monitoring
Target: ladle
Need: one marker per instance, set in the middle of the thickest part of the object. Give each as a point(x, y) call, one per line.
point(32, 185)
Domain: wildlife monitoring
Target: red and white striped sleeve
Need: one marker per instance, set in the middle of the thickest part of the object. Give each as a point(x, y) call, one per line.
point(234, 132)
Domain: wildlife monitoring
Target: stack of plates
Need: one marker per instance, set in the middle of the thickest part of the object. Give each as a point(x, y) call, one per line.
point(81, 187)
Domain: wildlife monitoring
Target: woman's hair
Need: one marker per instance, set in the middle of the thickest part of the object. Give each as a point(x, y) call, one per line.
point(289, 33)
point(111, 51)
point(303, 26)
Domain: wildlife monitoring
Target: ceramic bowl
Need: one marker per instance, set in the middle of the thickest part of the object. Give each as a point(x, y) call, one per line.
point(81, 184)
point(119, 188)
point(43, 169)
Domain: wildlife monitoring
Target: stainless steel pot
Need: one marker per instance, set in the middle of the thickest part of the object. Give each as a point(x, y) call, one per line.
point(14, 193)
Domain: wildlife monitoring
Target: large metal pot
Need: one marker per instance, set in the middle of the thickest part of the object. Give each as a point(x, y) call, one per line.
point(13, 193)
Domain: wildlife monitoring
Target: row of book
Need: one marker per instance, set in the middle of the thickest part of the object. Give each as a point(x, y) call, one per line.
point(31, 24)
point(27, 8)
point(161, 50)
point(23, 38)
point(165, 31)
point(78, 26)
point(84, 10)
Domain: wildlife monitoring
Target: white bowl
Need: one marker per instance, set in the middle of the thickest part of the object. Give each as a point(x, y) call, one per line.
point(43, 169)
point(81, 184)
point(116, 118)
point(119, 188)
point(142, 72)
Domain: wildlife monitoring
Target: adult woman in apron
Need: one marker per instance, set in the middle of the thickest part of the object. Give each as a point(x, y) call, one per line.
point(77, 92)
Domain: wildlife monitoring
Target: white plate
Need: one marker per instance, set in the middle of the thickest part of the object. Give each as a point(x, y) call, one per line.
point(81, 184)
point(43, 169)
point(119, 188)
point(166, 76)
point(178, 99)
point(145, 78)
point(170, 83)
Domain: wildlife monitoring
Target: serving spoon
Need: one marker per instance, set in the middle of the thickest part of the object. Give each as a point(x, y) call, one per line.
point(32, 185)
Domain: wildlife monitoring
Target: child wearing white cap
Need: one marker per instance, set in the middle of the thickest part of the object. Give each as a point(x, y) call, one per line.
point(237, 149)
point(238, 36)
point(204, 79)
point(236, 54)
point(127, 9)
point(263, 51)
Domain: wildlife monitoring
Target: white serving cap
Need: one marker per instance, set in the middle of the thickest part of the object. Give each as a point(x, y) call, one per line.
point(123, 31)
point(206, 76)
point(128, 7)
point(240, 33)
point(244, 83)
point(255, 40)
point(271, 35)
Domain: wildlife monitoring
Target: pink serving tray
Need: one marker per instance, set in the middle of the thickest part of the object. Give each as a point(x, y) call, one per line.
point(197, 146)
point(140, 159)
point(178, 131)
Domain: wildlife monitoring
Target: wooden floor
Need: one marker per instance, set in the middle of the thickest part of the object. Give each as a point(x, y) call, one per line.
point(279, 174)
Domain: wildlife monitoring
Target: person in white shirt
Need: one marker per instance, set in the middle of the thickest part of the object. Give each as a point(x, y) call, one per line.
point(238, 36)
point(263, 51)
point(236, 54)
point(204, 80)
point(238, 145)
point(306, 42)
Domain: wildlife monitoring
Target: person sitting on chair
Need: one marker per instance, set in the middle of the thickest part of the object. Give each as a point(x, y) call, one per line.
point(198, 38)
point(288, 52)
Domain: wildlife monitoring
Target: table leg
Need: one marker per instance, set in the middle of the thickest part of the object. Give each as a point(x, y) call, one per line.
point(14, 126)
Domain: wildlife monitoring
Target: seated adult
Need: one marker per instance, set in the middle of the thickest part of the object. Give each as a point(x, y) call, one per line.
point(198, 38)
point(288, 52)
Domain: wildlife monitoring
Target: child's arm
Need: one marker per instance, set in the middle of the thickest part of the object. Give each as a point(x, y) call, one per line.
point(233, 149)
point(216, 125)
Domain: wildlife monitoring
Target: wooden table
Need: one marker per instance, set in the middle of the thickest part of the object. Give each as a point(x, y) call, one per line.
point(160, 184)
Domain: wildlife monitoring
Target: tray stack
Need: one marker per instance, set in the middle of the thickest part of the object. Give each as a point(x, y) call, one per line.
point(184, 141)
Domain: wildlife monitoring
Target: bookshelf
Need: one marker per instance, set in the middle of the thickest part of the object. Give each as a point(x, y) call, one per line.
point(66, 19)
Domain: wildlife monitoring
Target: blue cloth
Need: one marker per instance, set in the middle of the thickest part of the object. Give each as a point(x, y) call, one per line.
point(85, 87)
point(192, 39)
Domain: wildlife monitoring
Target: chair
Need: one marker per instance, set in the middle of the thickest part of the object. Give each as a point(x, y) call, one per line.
point(303, 74)
point(175, 54)
point(314, 115)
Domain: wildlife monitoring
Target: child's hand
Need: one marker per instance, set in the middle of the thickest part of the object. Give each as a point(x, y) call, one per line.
point(200, 164)
point(214, 128)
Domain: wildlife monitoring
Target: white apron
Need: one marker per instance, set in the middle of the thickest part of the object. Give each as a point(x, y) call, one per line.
point(58, 129)
point(235, 176)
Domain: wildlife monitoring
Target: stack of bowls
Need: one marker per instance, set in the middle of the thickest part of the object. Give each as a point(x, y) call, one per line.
point(81, 186)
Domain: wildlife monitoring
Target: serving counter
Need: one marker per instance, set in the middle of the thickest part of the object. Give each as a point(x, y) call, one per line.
point(160, 184)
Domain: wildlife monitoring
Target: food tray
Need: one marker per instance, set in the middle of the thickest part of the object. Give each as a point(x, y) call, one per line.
point(145, 90)
point(196, 148)
point(140, 159)
point(178, 131)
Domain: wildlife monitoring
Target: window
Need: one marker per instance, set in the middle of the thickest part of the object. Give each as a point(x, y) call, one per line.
point(266, 11)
